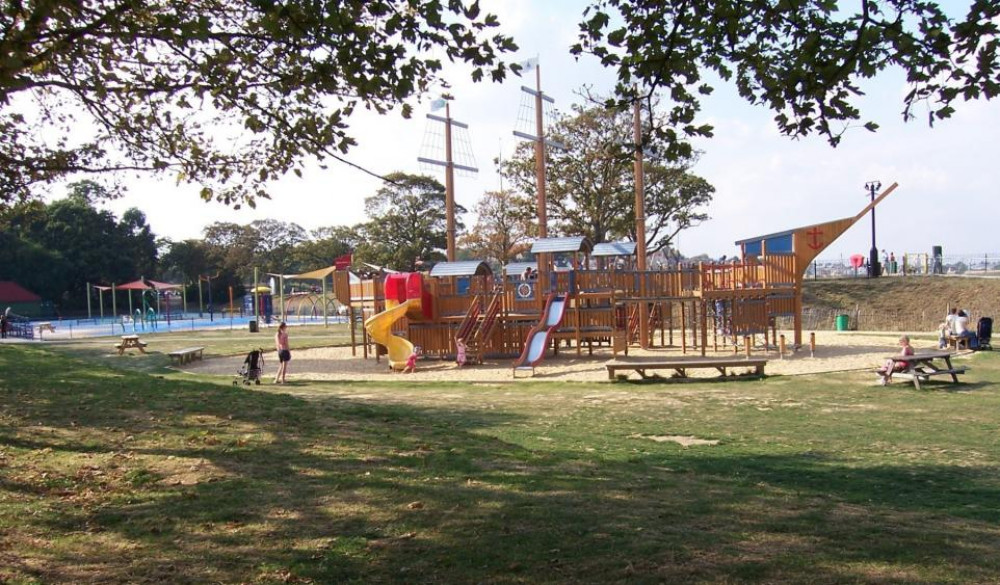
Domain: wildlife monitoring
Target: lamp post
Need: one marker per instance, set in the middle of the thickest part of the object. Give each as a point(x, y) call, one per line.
point(874, 270)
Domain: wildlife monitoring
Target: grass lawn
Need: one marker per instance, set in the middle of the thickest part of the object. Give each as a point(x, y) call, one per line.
point(119, 470)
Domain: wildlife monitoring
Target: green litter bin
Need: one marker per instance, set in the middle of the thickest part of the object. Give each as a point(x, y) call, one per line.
point(842, 321)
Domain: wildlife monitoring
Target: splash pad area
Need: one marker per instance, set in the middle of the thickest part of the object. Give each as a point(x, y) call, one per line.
point(65, 329)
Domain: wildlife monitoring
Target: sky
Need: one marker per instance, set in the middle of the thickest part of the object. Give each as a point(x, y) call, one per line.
point(765, 182)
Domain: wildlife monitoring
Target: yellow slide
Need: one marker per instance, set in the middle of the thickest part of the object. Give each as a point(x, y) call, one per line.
point(380, 328)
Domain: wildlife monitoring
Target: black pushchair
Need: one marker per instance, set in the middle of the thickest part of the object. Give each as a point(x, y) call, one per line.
point(984, 331)
point(252, 369)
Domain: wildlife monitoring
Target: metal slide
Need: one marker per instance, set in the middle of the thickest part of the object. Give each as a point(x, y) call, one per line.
point(538, 337)
point(380, 328)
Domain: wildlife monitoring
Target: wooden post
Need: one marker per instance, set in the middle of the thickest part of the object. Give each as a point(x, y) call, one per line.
point(781, 346)
point(683, 329)
point(746, 346)
point(354, 343)
point(704, 328)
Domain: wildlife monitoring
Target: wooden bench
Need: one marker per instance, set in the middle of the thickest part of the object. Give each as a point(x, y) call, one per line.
point(681, 366)
point(958, 342)
point(183, 356)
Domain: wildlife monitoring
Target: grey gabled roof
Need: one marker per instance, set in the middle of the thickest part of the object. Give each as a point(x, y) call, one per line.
point(614, 249)
point(517, 268)
point(570, 244)
point(467, 268)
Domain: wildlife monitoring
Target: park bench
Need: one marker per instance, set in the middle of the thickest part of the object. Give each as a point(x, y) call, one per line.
point(183, 356)
point(957, 342)
point(681, 366)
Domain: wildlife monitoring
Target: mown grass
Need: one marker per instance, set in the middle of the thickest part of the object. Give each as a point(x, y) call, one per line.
point(125, 472)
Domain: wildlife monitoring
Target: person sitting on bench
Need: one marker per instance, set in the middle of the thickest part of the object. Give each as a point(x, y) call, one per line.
point(885, 372)
point(962, 331)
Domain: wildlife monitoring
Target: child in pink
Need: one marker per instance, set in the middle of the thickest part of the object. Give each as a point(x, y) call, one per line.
point(885, 372)
point(411, 362)
point(460, 352)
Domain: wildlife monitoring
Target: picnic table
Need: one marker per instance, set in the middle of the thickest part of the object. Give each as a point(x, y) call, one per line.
point(921, 366)
point(131, 342)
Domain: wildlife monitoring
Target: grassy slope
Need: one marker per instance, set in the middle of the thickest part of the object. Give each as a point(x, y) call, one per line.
point(914, 302)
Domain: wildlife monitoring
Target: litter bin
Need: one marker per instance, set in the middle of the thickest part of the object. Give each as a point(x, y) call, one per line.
point(253, 326)
point(842, 321)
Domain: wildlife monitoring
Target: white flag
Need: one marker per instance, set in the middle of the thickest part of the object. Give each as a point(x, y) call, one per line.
point(437, 104)
point(529, 65)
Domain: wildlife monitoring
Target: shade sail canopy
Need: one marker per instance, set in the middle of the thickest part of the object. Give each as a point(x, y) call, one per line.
point(318, 274)
point(163, 285)
point(134, 285)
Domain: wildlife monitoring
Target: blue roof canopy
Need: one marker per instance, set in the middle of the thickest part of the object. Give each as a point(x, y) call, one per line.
point(614, 249)
point(466, 268)
point(556, 245)
point(517, 268)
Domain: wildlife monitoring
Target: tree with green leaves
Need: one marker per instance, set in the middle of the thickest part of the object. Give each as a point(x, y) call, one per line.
point(407, 223)
point(806, 60)
point(505, 222)
point(591, 184)
point(228, 95)
point(323, 246)
point(56, 249)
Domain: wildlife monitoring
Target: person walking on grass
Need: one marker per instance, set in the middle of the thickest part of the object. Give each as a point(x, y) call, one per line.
point(284, 353)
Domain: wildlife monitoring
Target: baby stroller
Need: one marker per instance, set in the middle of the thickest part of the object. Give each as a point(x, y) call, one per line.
point(252, 369)
point(984, 332)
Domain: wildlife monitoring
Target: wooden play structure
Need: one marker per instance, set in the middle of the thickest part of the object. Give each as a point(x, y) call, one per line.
point(578, 296)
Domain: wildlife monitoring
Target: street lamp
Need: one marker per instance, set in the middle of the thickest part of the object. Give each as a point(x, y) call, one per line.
point(874, 270)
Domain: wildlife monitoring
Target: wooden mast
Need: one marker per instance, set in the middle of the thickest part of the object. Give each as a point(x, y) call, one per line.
point(449, 183)
point(640, 226)
point(543, 231)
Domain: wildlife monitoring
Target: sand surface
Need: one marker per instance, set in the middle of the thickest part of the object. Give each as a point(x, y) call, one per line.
point(835, 352)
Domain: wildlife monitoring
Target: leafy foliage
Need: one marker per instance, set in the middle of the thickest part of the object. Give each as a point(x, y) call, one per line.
point(228, 94)
point(407, 223)
point(591, 184)
point(803, 59)
point(504, 224)
point(56, 249)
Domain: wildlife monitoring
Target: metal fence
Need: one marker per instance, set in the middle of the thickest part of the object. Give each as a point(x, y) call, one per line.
point(910, 264)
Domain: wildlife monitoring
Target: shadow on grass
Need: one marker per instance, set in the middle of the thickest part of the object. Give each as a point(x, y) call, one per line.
point(210, 483)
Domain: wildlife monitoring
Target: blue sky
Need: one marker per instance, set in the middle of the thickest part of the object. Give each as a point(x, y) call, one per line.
point(948, 175)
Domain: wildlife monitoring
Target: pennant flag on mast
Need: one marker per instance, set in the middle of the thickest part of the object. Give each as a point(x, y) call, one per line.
point(529, 65)
point(437, 104)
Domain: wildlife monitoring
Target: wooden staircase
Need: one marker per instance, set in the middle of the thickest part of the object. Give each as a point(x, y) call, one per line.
point(478, 325)
point(655, 321)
